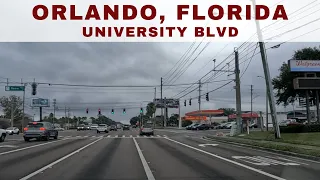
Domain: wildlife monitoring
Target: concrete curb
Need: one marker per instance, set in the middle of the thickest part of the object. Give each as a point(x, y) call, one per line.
point(266, 149)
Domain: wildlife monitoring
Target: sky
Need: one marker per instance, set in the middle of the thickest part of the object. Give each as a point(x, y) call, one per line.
point(135, 64)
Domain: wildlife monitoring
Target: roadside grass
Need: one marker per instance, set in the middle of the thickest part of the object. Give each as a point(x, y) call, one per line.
point(311, 139)
point(273, 145)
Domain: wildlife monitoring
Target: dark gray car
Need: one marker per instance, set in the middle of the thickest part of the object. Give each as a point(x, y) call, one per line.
point(39, 131)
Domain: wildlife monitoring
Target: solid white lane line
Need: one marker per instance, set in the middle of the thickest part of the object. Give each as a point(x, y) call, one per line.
point(29, 147)
point(228, 160)
point(144, 162)
point(57, 161)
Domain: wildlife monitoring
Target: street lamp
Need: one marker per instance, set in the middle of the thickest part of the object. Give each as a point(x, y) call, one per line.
point(266, 104)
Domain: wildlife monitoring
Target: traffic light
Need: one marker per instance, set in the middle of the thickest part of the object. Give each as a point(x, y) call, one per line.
point(141, 110)
point(34, 88)
point(207, 96)
point(190, 102)
point(87, 110)
point(185, 102)
point(124, 111)
point(112, 111)
point(99, 111)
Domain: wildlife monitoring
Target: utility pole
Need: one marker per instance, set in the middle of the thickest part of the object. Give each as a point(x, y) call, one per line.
point(54, 110)
point(162, 118)
point(68, 118)
point(199, 99)
point(180, 123)
point(154, 115)
point(267, 78)
point(238, 92)
point(12, 112)
point(251, 92)
point(165, 112)
point(23, 100)
point(317, 106)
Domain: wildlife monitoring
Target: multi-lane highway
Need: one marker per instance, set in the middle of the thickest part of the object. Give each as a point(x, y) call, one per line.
point(123, 155)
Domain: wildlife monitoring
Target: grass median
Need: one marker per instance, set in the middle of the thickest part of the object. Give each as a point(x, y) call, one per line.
point(301, 143)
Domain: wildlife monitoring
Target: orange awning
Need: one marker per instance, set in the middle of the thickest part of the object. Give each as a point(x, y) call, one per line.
point(206, 113)
point(194, 118)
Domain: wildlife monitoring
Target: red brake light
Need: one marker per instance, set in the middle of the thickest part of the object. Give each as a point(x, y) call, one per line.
point(34, 123)
point(42, 129)
point(25, 129)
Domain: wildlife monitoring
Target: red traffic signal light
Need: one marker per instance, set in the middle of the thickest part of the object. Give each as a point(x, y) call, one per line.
point(99, 111)
point(87, 110)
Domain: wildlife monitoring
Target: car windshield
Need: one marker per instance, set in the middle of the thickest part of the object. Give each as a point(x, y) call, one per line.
point(94, 125)
point(10, 128)
point(147, 126)
point(102, 125)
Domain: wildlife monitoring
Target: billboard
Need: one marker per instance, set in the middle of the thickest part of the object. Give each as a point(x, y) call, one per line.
point(304, 65)
point(170, 103)
point(39, 102)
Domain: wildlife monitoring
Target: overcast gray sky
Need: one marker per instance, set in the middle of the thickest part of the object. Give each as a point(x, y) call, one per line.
point(132, 64)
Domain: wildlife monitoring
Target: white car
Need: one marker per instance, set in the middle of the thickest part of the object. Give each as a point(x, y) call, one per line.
point(3, 135)
point(12, 130)
point(94, 126)
point(102, 128)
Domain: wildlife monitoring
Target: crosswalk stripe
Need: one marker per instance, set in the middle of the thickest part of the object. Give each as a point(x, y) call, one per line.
point(138, 136)
point(93, 136)
point(85, 136)
point(116, 136)
point(158, 135)
point(123, 136)
point(108, 135)
point(78, 136)
point(144, 136)
point(151, 136)
point(130, 135)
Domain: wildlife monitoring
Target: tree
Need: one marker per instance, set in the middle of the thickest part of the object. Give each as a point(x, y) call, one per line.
point(228, 111)
point(134, 120)
point(174, 119)
point(12, 104)
point(151, 109)
point(186, 123)
point(283, 83)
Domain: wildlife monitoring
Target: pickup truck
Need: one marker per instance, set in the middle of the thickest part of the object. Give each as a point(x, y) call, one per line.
point(102, 128)
point(3, 134)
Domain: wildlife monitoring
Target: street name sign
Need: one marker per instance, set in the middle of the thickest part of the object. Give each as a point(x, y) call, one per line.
point(14, 88)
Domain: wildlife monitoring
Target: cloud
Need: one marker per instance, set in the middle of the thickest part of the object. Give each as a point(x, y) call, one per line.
point(129, 64)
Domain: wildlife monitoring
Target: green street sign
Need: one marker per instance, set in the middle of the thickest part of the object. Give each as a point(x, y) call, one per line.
point(14, 88)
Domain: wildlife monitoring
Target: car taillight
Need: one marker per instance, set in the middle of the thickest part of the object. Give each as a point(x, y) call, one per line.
point(42, 129)
point(25, 129)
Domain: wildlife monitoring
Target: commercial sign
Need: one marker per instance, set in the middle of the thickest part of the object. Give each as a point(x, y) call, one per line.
point(39, 102)
point(170, 103)
point(304, 65)
point(195, 118)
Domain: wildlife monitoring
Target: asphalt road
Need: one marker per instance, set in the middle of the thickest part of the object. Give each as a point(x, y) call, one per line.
point(123, 155)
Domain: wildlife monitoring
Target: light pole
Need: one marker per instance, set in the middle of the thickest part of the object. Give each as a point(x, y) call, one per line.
point(266, 105)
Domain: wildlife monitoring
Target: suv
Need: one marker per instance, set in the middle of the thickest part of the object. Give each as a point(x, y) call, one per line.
point(3, 134)
point(113, 128)
point(102, 128)
point(126, 127)
point(40, 130)
point(146, 130)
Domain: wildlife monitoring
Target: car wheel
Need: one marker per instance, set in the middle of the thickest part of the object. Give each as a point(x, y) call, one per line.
point(18, 132)
point(26, 139)
point(2, 137)
point(56, 136)
point(46, 138)
point(98, 132)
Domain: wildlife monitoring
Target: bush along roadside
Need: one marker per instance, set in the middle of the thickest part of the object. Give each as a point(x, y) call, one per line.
point(300, 128)
point(289, 149)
